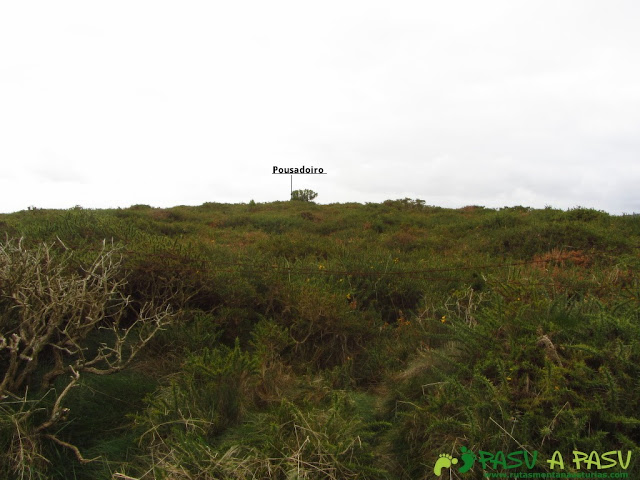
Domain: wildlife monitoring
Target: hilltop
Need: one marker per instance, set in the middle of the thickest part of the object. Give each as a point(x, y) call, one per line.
point(323, 341)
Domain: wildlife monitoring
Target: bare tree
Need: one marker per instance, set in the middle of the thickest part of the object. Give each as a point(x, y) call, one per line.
point(49, 308)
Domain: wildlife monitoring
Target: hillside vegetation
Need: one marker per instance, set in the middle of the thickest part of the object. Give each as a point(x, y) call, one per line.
point(291, 340)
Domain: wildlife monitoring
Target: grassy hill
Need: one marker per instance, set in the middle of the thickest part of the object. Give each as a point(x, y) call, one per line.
point(294, 340)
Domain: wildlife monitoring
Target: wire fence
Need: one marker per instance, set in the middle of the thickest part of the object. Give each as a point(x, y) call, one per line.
point(183, 264)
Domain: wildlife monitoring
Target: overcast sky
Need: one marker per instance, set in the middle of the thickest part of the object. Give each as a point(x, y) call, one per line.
point(494, 103)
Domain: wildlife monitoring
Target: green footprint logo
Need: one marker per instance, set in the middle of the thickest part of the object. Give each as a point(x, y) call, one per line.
point(444, 461)
point(468, 459)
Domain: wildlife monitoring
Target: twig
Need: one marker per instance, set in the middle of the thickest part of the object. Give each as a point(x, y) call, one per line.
point(512, 437)
point(73, 448)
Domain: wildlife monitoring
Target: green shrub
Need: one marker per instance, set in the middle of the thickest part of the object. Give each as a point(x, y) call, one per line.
point(303, 195)
point(547, 371)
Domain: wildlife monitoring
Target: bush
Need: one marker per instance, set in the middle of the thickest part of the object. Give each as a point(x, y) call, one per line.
point(303, 195)
point(554, 374)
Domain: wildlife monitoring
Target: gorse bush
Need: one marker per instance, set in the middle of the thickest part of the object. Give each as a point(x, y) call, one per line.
point(543, 374)
point(214, 391)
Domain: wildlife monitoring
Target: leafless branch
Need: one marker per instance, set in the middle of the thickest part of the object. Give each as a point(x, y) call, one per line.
point(50, 306)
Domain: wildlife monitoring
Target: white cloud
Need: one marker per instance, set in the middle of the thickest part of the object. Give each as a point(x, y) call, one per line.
point(458, 102)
